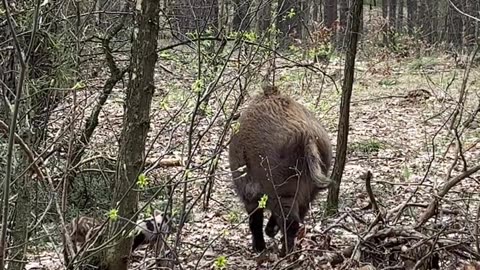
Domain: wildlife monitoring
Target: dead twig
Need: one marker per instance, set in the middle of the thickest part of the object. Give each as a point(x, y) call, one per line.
point(373, 202)
point(477, 230)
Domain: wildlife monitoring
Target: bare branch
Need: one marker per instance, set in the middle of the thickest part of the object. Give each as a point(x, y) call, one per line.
point(463, 13)
point(432, 207)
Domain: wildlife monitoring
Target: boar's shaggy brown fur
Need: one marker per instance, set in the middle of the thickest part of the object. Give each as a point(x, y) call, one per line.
point(280, 149)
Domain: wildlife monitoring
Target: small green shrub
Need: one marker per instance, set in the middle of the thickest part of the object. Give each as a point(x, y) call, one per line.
point(369, 146)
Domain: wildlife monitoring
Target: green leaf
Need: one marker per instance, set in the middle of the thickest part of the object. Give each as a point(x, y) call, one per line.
point(164, 104)
point(291, 13)
point(250, 36)
point(220, 262)
point(142, 181)
point(406, 173)
point(262, 203)
point(78, 86)
point(235, 127)
point(197, 86)
point(113, 214)
point(188, 173)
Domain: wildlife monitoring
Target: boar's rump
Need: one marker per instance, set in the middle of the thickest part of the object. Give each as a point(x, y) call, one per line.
point(280, 149)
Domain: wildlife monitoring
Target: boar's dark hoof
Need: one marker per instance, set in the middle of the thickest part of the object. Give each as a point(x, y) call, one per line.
point(271, 230)
point(258, 246)
point(287, 249)
point(283, 252)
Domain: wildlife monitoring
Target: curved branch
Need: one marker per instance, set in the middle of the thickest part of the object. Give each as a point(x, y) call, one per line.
point(433, 205)
point(463, 13)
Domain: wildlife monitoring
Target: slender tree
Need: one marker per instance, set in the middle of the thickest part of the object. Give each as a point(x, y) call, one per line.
point(455, 24)
point(242, 15)
point(343, 10)
point(136, 123)
point(471, 26)
point(411, 15)
point(330, 13)
point(343, 123)
point(385, 22)
point(20, 60)
point(289, 20)
point(192, 16)
point(264, 15)
point(432, 6)
point(423, 20)
point(401, 15)
point(392, 15)
point(317, 10)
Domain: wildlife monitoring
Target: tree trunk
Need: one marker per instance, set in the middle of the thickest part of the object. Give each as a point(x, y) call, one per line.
point(471, 25)
point(289, 21)
point(392, 15)
point(432, 18)
point(330, 16)
point(343, 21)
point(400, 19)
point(16, 117)
point(411, 15)
point(330, 13)
point(192, 16)
point(242, 18)
point(222, 16)
point(99, 17)
point(343, 123)
point(423, 19)
point(264, 16)
point(362, 24)
point(316, 11)
point(455, 25)
point(385, 22)
point(477, 24)
point(305, 18)
point(22, 209)
point(428, 14)
point(21, 187)
point(136, 123)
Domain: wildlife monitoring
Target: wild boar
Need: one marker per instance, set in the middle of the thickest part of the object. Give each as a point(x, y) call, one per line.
point(81, 229)
point(281, 150)
point(148, 230)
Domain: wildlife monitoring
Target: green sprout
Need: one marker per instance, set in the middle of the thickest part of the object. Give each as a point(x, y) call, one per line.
point(220, 262)
point(113, 214)
point(142, 181)
point(262, 203)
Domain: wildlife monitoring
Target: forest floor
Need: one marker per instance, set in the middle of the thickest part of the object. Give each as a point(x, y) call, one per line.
point(398, 114)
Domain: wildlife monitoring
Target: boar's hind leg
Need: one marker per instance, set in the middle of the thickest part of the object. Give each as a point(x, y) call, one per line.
point(272, 228)
point(292, 227)
point(303, 212)
point(289, 224)
point(256, 226)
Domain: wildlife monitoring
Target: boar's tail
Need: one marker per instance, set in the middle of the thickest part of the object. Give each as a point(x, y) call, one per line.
point(314, 164)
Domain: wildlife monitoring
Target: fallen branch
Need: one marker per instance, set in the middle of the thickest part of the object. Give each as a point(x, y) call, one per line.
point(165, 162)
point(433, 205)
